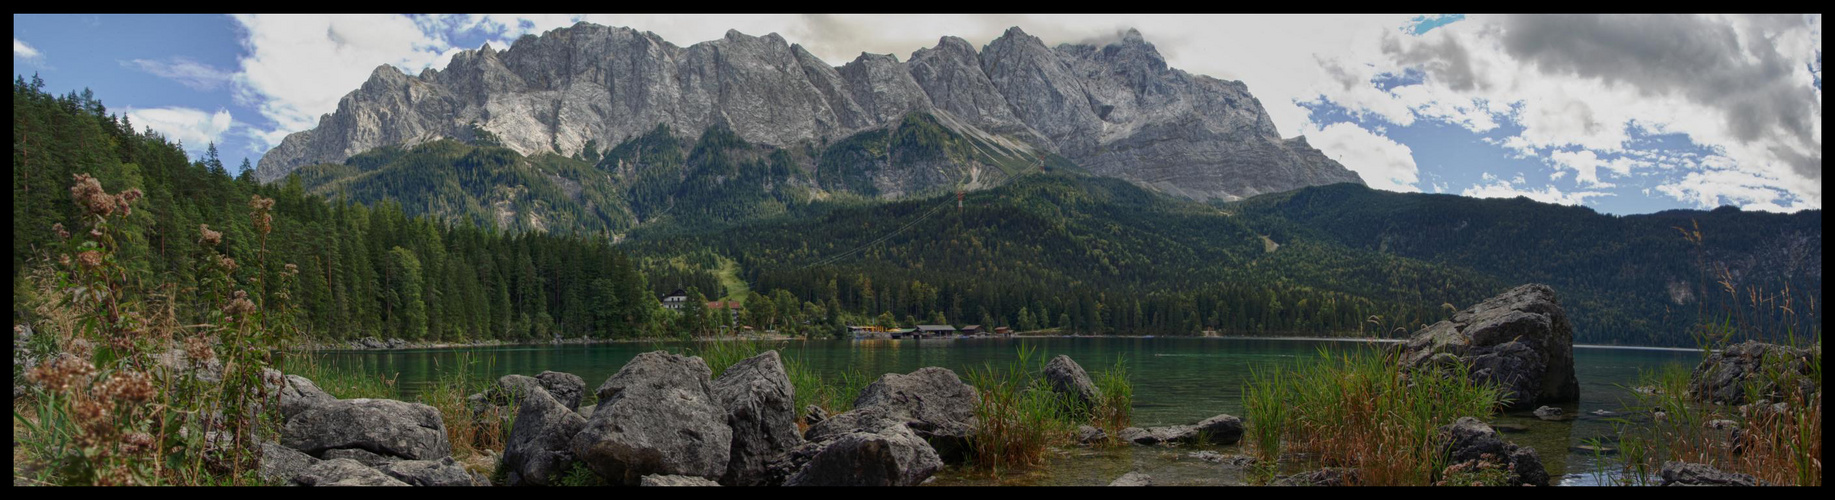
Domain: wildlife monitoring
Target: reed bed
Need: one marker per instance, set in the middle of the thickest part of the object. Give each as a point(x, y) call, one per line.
point(1777, 441)
point(1360, 409)
point(1020, 416)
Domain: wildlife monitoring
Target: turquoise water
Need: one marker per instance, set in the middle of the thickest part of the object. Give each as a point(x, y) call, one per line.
point(1176, 381)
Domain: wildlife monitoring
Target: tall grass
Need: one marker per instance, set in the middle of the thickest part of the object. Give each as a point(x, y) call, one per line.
point(469, 432)
point(345, 382)
point(1020, 416)
point(1114, 408)
point(1359, 409)
point(1779, 439)
point(1778, 442)
point(832, 394)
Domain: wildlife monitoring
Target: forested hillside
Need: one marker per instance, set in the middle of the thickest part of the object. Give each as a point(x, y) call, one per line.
point(1637, 279)
point(361, 270)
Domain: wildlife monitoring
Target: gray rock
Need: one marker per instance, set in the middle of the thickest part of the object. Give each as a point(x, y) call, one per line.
point(1117, 110)
point(281, 465)
point(1207, 455)
point(936, 404)
point(511, 388)
point(1133, 479)
point(1470, 440)
point(442, 472)
point(408, 430)
point(362, 456)
point(1721, 377)
point(1068, 378)
point(1550, 413)
point(891, 455)
point(760, 402)
point(298, 394)
point(670, 480)
point(564, 387)
point(344, 472)
point(1222, 429)
point(1693, 474)
point(541, 442)
point(1088, 435)
point(1520, 340)
point(656, 416)
point(1137, 435)
point(813, 414)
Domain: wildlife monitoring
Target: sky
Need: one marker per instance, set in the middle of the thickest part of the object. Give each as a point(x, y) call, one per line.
point(1624, 114)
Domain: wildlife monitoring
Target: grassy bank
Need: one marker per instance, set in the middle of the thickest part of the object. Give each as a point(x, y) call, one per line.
point(1358, 409)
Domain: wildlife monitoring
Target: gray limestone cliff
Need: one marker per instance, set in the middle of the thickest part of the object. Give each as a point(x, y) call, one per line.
point(1115, 110)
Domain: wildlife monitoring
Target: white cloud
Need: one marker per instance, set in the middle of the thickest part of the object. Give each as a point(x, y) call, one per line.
point(198, 76)
point(1582, 85)
point(192, 127)
point(1383, 163)
point(297, 67)
point(20, 49)
point(1548, 194)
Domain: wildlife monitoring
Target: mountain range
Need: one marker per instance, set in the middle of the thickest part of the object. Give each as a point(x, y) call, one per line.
point(1116, 110)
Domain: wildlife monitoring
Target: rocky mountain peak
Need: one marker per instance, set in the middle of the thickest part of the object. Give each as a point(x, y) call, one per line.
point(1116, 110)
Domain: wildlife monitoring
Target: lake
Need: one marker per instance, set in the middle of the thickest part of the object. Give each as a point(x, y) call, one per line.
point(1176, 381)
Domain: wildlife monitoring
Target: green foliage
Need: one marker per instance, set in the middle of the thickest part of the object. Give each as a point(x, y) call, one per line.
point(1019, 416)
point(1360, 409)
point(1114, 410)
point(578, 475)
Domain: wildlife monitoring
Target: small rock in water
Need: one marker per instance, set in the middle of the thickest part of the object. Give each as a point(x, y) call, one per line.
point(1722, 424)
point(1133, 479)
point(1207, 455)
point(1549, 413)
point(1603, 413)
point(1593, 449)
point(1510, 428)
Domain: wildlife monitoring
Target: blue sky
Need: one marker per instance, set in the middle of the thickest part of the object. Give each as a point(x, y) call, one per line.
point(1624, 114)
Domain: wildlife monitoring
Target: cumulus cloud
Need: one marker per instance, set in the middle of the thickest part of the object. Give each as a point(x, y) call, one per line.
point(296, 67)
point(198, 76)
point(20, 49)
point(193, 127)
point(1383, 163)
point(1548, 194)
point(1584, 88)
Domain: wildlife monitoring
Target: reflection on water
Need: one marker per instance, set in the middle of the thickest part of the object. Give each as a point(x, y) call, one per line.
point(1176, 381)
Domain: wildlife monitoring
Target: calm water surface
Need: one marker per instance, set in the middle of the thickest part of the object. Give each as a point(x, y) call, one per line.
point(1176, 381)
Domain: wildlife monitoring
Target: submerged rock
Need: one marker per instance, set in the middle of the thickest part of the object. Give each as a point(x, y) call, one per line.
point(1550, 413)
point(1089, 435)
point(1520, 340)
point(1693, 474)
point(1133, 479)
point(1470, 441)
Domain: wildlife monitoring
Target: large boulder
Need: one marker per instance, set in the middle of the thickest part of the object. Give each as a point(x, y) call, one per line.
point(564, 387)
point(761, 410)
point(1776, 370)
point(387, 427)
point(298, 394)
point(934, 402)
point(344, 472)
point(1520, 340)
point(1068, 378)
point(1470, 441)
point(657, 415)
point(1693, 474)
point(541, 442)
point(888, 455)
point(442, 472)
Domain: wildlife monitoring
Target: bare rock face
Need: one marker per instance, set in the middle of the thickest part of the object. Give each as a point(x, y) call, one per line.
point(657, 415)
point(1117, 110)
point(887, 454)
point(1520, 340)
point(564, 387)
